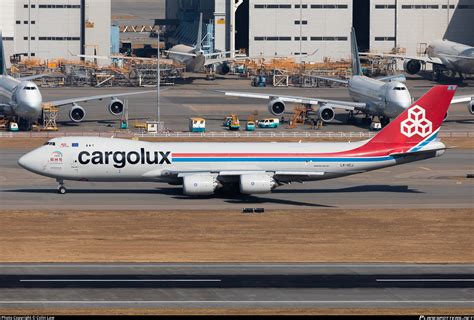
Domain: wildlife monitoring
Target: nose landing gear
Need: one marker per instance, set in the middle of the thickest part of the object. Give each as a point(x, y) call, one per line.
point(61, 188)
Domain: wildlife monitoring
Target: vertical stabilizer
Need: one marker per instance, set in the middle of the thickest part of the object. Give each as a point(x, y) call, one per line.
point(199, 36)
point(3, 63)
point(356, 68)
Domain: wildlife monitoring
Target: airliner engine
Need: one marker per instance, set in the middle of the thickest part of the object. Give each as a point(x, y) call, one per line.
point(116, 107)
point(276, 107)
point(223, 68)
point(327, 114)
point(412, 66)
point(257, 184)
point(77, 114)
point(200, 185)
point(470, 107)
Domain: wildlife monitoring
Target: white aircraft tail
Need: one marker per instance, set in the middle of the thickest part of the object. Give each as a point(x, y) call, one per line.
point(199, 36)
point(356, 66)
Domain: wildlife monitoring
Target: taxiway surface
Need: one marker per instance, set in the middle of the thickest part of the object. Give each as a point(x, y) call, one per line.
point(435, 183)
point(201, 98)
point(235, 285)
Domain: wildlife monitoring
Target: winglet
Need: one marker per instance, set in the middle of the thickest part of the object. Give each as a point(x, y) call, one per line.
point(356, 67)
point(3, 62)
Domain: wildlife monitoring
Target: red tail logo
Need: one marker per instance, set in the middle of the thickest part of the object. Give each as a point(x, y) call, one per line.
point(416, 123)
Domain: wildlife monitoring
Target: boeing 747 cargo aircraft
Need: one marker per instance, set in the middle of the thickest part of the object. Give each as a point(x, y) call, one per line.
point(255, 168)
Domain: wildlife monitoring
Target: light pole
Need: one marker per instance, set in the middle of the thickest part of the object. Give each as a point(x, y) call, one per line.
point(158, 75)
point(301, 32)
point(29, 29)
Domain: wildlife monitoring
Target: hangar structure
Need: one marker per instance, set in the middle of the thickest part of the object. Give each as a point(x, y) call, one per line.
point(50, 29)
point(298, 27)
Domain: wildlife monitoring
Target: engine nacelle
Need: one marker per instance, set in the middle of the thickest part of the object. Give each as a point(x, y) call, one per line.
point(77, 114)
point(327, 114)
point(257, 184)
point(200, 185)
point(412, 66)
point(470, 107)
point(224, 68)
point(116, 107)
point(276, 107)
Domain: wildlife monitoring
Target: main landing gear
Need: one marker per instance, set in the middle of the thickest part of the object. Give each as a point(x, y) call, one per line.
point(61, 188)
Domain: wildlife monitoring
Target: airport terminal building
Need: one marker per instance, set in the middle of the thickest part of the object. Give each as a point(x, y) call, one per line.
point(48, 29)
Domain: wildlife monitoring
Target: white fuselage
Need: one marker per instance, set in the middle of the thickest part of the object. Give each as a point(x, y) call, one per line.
point(388, 99)
point(451, 53)
point(193, 63)
point(102, 159)
point(23, 98)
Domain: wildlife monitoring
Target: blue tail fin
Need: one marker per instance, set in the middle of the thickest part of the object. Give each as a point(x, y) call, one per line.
point(356, 68)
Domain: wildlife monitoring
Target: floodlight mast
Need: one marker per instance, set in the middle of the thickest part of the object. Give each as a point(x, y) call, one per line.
point(158, 76)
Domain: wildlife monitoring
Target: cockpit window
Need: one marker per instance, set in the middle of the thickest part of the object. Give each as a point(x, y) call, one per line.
point(29, 88)
point(400, 88)
point(50, 143)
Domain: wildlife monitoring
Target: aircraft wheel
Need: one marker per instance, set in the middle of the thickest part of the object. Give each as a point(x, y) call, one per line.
point(62, 190)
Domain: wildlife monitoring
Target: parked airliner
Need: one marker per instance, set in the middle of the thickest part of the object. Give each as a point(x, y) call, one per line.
point(203, 168)
point(21, 100)
point(444, 55)
point(385, 97)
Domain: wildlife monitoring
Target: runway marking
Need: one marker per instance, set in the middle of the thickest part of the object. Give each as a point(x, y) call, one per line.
point(425, 280)
point(120, 280)
point(239, 302)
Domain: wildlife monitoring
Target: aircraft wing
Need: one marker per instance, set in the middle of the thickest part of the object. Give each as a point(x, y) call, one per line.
point(396, 56)
point(457, 57)
point(184, 54)
point(346, 105)
point(280, 176)
point(330, 79)
point(31, 78)
point(114, 57)
point(210, 61)
point(461, 99)
point(58, 103)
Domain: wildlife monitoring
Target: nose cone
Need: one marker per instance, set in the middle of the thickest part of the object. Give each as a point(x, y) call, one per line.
point(31, 162)
point(29, 104)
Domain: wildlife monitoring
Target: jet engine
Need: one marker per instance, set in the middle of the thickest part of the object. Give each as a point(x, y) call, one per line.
point(412, 66)
point(77, 114)
point(276, 107)
point(116, 107)
point(224, 68)
point(327, 114)
point(470, 107)
point(200, 185)
point(257, 184)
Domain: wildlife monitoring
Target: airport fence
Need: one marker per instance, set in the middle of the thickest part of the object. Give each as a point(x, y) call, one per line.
point(224, 134)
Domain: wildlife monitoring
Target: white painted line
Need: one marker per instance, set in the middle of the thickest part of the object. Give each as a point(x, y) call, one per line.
point(237, 302)
point(120, 280)
point(425, 280)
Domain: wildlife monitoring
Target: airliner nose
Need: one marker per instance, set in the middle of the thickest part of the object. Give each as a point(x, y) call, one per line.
point(30, 162)
point(24, 161)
